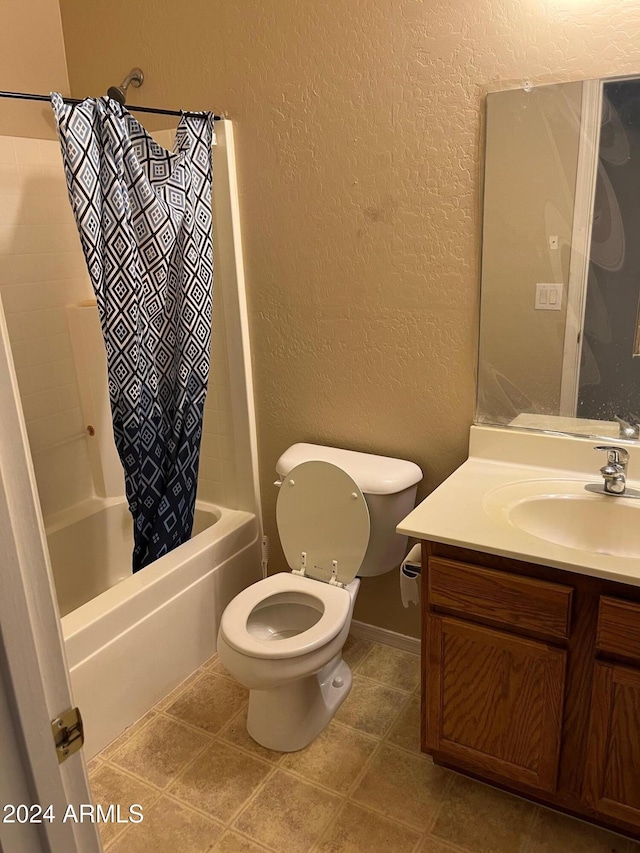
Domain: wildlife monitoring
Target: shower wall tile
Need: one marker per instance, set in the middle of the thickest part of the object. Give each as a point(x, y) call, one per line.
point(7, 150)
point(9, 179)
point(42, 269)
point(49, 154)
point(27, 151)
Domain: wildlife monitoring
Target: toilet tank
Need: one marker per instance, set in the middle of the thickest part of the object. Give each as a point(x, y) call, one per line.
point(389, 487)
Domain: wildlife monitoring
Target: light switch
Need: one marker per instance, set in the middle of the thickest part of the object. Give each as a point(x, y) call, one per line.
point(549, 297)
point(553, 242)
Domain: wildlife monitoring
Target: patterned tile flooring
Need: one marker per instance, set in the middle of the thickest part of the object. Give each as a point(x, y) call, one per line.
point(361, 786)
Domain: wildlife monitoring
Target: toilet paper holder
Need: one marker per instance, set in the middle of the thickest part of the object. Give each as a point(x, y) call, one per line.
point(410, 572)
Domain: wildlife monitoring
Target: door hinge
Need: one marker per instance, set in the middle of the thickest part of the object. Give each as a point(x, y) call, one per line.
point(68, 733)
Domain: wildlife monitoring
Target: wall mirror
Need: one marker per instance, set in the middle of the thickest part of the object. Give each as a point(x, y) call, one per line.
point(560, 284)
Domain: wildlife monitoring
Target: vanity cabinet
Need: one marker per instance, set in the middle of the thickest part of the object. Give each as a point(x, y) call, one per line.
point(495, 701)
point(612, 782)
point(532, 681)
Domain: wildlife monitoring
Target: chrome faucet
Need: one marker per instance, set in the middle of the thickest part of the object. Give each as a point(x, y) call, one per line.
point(615, 471)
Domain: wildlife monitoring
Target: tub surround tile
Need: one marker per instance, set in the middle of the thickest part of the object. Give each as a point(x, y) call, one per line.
point(357, 829)
point(220, 781)
point(393, 667)
point(28, 152)
point(110, 785)
point(334, 759)
point(288, 810)
point(168, 827)
point(371, 707)
point(7, 150)
point(481, 819)
point(408, 788)
point(209, 703)
point(160, 751)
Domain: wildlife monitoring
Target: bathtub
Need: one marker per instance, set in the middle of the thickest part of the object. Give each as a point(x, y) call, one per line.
point(130, 639)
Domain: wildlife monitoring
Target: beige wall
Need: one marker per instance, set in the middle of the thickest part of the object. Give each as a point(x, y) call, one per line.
point(358, 128)
point(32, 59)
point(531, 163)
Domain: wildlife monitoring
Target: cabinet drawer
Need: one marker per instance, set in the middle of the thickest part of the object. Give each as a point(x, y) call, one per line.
point(619, 628)
point(506, 599)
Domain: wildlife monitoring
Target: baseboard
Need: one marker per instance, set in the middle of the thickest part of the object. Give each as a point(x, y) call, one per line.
point(383, 635)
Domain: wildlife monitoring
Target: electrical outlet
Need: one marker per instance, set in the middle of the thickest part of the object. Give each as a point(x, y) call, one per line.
point(548, 297)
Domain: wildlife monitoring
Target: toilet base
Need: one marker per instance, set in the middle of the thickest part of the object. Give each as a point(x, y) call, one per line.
point(288, 718)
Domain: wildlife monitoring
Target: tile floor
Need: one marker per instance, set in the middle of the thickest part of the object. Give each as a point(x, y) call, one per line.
point(361, 786)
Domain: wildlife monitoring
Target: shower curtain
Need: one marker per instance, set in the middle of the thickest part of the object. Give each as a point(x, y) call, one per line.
point(144, 218)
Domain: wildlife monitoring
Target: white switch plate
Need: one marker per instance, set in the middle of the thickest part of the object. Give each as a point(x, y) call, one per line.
point(549, 297)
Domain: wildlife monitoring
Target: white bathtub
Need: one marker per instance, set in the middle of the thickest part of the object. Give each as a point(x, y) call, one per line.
point(131, 638)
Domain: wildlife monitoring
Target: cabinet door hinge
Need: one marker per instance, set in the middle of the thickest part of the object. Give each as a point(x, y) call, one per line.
point(68, 733)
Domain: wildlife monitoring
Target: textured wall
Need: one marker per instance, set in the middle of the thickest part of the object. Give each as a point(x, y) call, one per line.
point(358, 127)
point(32, 59)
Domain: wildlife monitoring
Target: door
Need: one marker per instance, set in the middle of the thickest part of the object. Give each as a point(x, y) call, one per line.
point(495, 701)
point(587, 169)
point(612, 780)
point(34, 679)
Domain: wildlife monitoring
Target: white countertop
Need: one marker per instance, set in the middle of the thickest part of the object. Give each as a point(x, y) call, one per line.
point(465, 510)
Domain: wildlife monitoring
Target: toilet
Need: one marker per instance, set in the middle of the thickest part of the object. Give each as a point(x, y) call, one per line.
point(282, 637)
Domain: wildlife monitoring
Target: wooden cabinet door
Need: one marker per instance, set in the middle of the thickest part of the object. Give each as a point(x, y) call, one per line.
point(612, 778)
point(494, 701)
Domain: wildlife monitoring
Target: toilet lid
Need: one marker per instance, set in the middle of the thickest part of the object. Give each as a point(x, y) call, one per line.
point(322, 513)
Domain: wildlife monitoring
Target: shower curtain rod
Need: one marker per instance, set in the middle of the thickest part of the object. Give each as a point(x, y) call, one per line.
point(75, 101)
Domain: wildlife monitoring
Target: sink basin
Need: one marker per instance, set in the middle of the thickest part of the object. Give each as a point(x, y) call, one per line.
point(562, 512)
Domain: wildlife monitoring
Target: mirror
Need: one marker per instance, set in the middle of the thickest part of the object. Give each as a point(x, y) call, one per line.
point(560, 285)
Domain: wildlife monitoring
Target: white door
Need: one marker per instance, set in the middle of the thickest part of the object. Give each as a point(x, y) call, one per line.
point(34, 679)
point(589, 144)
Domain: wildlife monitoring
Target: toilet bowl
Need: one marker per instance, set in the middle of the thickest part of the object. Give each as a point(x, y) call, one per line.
point(282, 637)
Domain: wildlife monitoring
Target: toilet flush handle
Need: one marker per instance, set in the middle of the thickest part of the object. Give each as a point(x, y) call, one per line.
point(278, 483)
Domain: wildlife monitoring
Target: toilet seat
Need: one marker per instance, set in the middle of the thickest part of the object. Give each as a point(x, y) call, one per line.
point(323, 522)
point(334, 600)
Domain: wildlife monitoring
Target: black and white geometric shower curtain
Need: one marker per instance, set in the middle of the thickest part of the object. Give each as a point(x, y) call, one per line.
point(144, 218)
